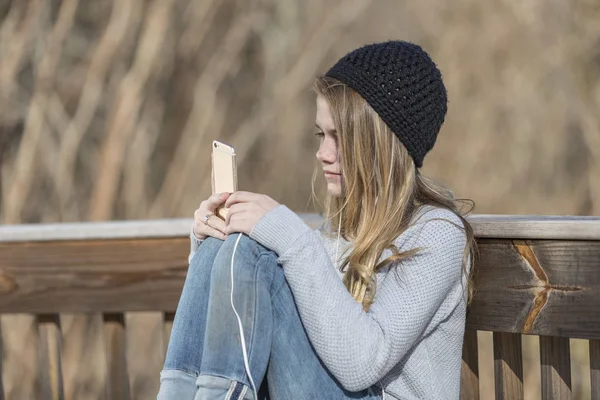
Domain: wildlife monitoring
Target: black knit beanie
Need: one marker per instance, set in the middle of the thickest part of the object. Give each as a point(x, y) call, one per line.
point(403, 85)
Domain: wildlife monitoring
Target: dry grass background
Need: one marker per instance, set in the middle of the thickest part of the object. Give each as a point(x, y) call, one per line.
point(107, 109)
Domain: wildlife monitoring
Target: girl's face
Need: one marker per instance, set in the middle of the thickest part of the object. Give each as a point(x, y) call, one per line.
point(328, 154)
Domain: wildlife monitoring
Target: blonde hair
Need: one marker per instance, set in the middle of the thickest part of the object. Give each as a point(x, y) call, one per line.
point(382, 191)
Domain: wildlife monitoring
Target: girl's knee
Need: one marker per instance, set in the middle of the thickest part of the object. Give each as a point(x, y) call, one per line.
point(211, 241)
point(205, 253)
point(245, 253)
point(244, 246)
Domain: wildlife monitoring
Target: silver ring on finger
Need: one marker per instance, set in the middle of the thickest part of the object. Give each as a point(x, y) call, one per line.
point(206, 218)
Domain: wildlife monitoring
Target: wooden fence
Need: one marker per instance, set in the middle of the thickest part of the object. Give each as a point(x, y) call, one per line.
point(536, 275)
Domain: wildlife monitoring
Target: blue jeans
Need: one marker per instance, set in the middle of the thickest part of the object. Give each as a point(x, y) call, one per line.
point(204, 358)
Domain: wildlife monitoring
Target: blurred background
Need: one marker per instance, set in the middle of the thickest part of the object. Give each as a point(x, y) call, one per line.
point(108, 109)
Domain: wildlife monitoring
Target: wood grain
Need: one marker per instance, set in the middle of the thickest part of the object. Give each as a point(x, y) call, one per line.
point(67, 231)
point(595, 368)
point(508, 366)
point(484, 226)
point(547, 227)
point(117, 376)
point(49, 357)
point(555, 358)
point(469, 375)
point(92, 276)
point(142, 229)
point(537, 287)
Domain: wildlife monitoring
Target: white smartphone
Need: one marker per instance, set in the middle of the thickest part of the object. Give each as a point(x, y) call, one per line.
point(224, 172)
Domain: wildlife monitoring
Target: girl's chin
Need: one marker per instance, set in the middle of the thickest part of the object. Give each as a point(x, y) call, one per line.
point(334, 190)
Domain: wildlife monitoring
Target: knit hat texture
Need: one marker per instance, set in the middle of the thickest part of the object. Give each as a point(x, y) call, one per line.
point(403, 85)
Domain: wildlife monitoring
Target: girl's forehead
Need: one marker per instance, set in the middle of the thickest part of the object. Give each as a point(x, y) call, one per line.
point(324, 118)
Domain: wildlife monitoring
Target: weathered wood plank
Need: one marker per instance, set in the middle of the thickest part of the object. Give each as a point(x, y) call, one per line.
point(117, 377)
point(92, 276)
point(508, 366)
point(20, 357)
point(145, 358)
point(555, 358)
point(49, 357)
point(83, 361)
point(595, 368)
point(469, 375)
point(538, 287)
point(142, 229)
point(542, 227)
point(484, 226)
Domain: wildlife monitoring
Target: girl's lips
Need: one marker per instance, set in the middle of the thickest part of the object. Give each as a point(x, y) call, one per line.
point(331, 174)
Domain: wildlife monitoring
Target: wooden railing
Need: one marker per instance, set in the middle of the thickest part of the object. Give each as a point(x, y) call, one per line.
point(535, 275)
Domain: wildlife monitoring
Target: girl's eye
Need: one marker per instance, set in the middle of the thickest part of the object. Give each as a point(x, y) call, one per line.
point(319, 134)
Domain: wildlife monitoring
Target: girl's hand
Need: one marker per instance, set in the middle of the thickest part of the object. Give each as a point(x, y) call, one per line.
point(214, 226)
point(245, 210)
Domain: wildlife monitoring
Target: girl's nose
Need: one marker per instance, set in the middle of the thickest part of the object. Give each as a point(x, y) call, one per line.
point(327, 152)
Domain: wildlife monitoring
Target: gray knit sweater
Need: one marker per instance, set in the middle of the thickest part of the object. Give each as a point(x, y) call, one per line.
point(410, 341)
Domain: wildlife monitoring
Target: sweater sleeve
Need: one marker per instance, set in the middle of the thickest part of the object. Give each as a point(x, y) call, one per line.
point(194, 244)
point(359, 348)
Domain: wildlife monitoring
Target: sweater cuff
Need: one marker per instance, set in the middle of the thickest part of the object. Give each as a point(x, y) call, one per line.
point(279, 229)
point(194, 244)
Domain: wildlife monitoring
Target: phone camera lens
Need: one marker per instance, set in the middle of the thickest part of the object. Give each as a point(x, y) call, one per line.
point(214, 144)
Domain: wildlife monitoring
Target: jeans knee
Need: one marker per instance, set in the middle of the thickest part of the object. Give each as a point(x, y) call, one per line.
point(206, 253)
point(245, 243)
point(245, 247)
point(247, 255)
point(211, 241)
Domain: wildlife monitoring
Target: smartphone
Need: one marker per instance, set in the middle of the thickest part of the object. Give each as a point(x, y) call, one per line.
point(224, 172)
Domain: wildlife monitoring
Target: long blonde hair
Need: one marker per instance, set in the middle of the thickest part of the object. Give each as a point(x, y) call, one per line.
point(382, 191)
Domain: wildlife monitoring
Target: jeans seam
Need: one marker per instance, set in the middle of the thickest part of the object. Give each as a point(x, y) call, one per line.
point(267, 252)
point(229, 393)
point(243, 392)
point(276, 291)
point(254, 322)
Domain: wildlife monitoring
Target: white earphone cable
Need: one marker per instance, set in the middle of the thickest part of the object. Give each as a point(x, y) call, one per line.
point(239, 320)
point(242, 339)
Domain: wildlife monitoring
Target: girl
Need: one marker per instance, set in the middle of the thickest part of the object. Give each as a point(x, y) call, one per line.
point(370, 306)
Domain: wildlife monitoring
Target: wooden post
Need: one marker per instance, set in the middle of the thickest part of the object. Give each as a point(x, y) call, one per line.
point(469, 376)
point(117, 377)
point(595, 368)
point(536, 275)
point(508, 366)
point(49, 356)
point(556, 368)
